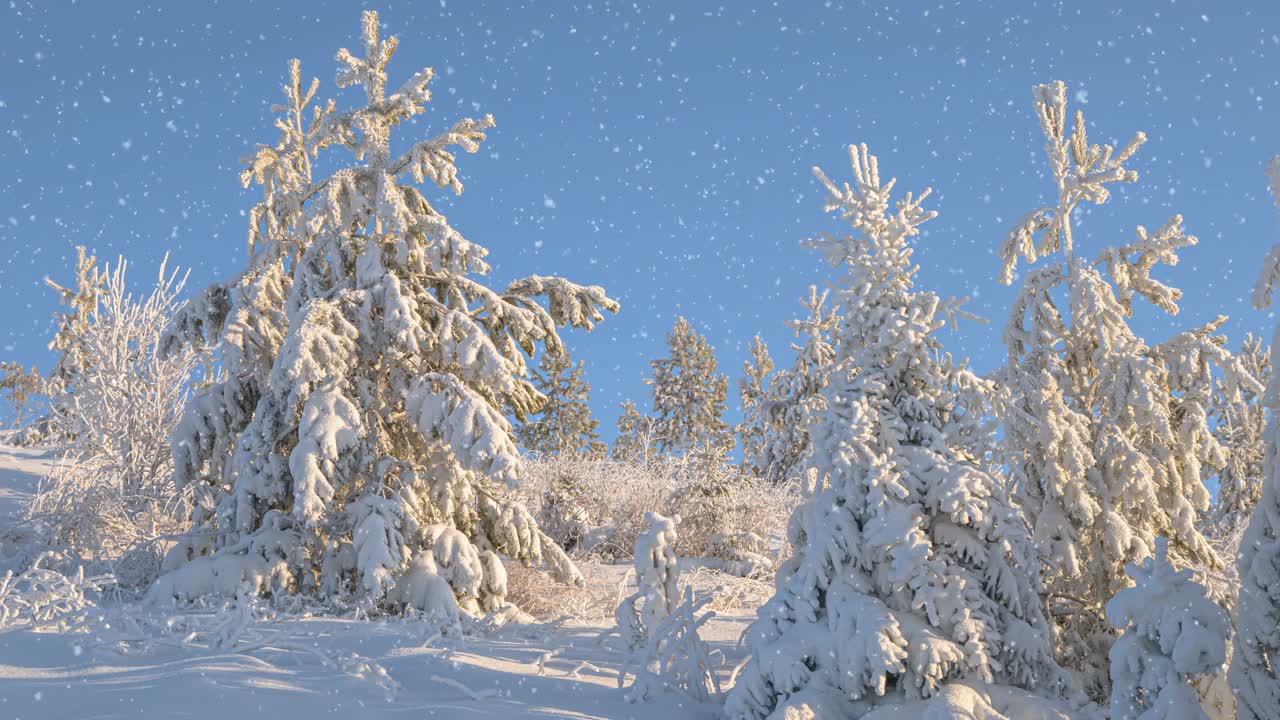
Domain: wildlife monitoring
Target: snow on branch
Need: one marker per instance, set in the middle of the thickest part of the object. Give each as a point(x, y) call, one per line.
point(1132, 275)
point(444, 409)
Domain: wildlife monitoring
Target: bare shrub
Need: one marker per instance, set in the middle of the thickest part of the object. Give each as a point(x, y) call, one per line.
point(728, 593)
point(722, 512)
point(545, 599)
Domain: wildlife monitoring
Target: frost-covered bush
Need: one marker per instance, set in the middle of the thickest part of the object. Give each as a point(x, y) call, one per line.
point(615, 496)
point(369, 370)
point(543, 598)
point(112, 495)
point(660, 626)
point(597, 507)
point(657, 569)
point(1172, 633)
point(42, 595)
point(674, 657)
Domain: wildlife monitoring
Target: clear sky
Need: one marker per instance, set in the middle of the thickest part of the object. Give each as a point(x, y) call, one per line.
point(661, 149)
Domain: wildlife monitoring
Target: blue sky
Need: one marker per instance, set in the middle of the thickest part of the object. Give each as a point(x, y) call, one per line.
point(661, 149)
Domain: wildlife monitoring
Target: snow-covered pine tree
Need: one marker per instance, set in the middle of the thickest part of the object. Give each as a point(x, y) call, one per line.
point(21, 384)
point(1241, 430)
point(1105, 436)
point(1255, 659)
point(359, 430)
point(752, 388)
point(80, 299)
point(563, 425)
point(635, 436)
point(1172, 635)
point(910, 568)
point(689, 397)
point(795, 393)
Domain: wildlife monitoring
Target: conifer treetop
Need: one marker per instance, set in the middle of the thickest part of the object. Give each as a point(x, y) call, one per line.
point(1081, 170)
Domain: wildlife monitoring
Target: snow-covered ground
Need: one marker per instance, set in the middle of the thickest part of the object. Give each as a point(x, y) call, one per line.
point(129, 664)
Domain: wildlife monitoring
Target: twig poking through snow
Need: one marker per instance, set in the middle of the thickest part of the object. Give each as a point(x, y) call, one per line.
point(545, 658)
point(473, 694)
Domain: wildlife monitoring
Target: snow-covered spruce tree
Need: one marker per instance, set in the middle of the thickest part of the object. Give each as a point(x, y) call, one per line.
point(1105, 437)
point(795, 393)
point(1255, 659)
point(360, 430)
point(1172, 633)
point(689, 397)
point(1241, 430)
point(563, 425)
point(752, 388)
point(910, 569)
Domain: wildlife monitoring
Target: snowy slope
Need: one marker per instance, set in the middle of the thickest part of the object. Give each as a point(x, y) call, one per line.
point(20, 473)
point(310, 667)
